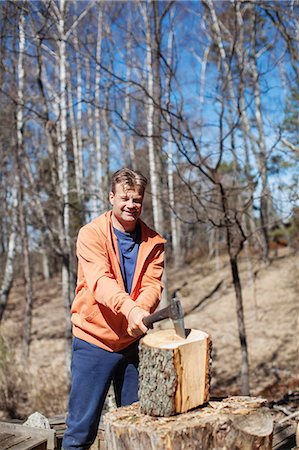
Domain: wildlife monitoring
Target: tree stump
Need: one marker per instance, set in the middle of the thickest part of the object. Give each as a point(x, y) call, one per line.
point(236, 423)
point(174, 373)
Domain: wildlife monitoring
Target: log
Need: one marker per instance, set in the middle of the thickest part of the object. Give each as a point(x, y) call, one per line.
point(174, 373)
point(236, 423)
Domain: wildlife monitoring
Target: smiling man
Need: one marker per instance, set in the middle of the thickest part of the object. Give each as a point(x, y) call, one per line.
point(120, 265)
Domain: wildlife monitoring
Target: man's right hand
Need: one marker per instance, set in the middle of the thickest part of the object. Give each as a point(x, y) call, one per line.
point(136, 327)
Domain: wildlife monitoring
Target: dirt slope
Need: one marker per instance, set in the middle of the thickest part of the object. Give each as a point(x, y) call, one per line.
point(271, 311)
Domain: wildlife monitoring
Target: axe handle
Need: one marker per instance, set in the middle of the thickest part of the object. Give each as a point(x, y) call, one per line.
point(156, 317)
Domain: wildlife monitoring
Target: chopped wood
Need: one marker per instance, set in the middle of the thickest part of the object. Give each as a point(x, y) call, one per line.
point(284, 436)
point(174, 373)
point(234, 423)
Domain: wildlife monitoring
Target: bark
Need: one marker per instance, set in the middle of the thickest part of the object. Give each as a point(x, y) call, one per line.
point(243, 66)
point(106, 146)
point(11, 249)
point(79, 83)
point(245, 390)
point(45, 263)
point(63, 179)
point(128, 143)
point(93, 168)
point(173, 218)
point(174, 373)
point(27, 268)
point(233, 423)
point(152, 60)
point(262, 154)
point(78, 177)
point(77, 138)
point(19, 177)
point(98, 141)
point(170, 162)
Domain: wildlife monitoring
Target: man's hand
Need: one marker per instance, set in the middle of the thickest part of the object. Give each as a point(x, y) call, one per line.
point(136, 327)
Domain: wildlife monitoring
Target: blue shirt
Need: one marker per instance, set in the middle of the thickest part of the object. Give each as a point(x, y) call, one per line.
point(128, 246)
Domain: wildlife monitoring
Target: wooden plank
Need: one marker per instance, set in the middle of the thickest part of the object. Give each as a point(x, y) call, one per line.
point(4, 436)
point(284, 436)
point(37, 435)
point(11, 440)
point(33, 443)
point(21, 441)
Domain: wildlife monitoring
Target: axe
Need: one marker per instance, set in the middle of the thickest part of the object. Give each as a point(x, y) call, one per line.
point(174, 311)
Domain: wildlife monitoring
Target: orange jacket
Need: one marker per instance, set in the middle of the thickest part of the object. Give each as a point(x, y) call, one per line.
point(101, 305)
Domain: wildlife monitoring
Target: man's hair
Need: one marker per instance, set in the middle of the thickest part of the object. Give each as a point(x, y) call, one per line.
point(130, 179)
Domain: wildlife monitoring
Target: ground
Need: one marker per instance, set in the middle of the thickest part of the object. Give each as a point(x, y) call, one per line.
point(270, 297)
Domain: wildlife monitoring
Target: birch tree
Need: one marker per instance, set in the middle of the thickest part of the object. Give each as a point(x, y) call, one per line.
point(19, 177)
point(152, 62)
point(11, 251)
point(98, 140)
point(175, 241)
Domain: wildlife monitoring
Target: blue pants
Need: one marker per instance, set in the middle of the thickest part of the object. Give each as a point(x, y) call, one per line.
point(93, 369)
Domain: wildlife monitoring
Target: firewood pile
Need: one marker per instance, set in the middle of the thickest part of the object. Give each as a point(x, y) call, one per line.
point(286, 421)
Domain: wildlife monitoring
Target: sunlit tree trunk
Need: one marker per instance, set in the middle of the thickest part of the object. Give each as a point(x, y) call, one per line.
point(262, 154)
point(151, 61)
point(98, 140)
point(11, 250)
point(92, 194)
point(63, 176)
point(128, 144)
point(79, 125)
point(170, 159)
point(21, 200)
point(76, 124)
point(106, 146)
point(150, 19)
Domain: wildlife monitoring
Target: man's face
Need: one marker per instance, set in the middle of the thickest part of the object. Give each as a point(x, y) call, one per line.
point(126, 207)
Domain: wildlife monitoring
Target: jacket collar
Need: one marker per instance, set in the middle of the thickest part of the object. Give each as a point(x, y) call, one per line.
point(147, 234)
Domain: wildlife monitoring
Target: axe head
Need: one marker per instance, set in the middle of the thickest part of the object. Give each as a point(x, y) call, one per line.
point(177, 316)
point(174, 312)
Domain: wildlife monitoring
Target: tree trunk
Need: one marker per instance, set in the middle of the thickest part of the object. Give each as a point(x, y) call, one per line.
point(241, 327)
point(174, 373)
point(234, 423)
point(77, 147)
point(45, 261)
point(98, 141)
point(128, 145)
point(93, 205)
point(176, 251)
point(22, 215)
point(151, 57)
point(9, 264)
point(262, 154)
point(106, 147)
point(63, 179)
point(79, 127)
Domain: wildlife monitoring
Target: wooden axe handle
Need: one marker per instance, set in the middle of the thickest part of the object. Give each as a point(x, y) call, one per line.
point(164, 313)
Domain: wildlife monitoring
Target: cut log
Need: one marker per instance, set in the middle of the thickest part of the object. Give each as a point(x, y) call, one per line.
point(237, 423)
point(174, 373)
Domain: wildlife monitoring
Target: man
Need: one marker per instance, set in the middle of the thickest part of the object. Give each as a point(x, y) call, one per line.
point(120, 265)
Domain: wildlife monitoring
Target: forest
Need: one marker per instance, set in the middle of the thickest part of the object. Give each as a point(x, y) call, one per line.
point(200, 96)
